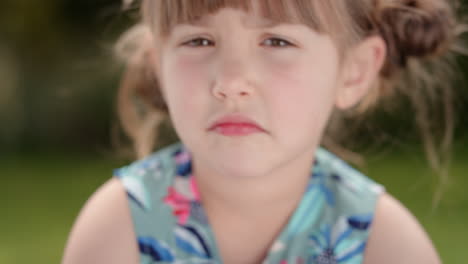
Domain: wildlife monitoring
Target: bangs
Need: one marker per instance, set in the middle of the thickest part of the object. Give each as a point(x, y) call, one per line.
point(164, 15)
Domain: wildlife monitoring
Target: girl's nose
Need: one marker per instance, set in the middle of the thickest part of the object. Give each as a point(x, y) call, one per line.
point(231, 80)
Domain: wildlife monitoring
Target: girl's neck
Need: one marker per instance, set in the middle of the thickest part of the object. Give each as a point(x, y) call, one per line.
point(277, 191)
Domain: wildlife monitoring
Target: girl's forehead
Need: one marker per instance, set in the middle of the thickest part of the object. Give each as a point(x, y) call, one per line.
point(166, 14)
point(250, 19)
point(274, 10)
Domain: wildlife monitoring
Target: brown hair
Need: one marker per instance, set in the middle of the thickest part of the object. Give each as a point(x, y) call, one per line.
point(422, 37)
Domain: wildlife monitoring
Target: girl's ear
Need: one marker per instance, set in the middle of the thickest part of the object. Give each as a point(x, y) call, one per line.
point(360, 69)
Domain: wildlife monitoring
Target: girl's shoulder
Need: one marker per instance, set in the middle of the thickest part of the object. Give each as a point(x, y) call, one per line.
point(125, 199)
point(397, 236)
point(103, 231)
point(394, 235)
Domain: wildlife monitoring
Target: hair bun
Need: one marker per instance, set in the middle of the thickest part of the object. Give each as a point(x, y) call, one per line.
point(413, 28)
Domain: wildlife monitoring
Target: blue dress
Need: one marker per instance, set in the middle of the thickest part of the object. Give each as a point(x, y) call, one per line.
point(330, 225)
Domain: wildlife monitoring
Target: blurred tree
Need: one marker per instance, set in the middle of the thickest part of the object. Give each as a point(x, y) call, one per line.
point(60, 52)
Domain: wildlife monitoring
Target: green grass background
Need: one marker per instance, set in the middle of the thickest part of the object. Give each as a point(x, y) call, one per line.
point(42, 195)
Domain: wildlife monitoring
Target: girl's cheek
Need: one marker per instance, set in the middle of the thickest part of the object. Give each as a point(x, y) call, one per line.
point(284, 72)
point(281, 61)
point(190, 71)
point(189, 64)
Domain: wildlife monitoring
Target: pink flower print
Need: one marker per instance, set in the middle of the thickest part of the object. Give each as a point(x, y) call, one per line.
point(298, 261)
point(180, 205)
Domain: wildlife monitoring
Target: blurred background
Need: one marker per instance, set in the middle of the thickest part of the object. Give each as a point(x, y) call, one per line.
point(60, 139)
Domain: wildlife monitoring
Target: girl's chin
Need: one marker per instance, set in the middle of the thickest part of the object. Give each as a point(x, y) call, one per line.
point(236, 144)
point(245, 167)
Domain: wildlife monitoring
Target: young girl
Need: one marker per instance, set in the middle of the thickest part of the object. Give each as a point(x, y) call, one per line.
point(252, 89)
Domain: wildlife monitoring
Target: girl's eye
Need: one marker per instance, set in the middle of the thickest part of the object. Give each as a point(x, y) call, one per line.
point(202, 42)
point(198, 42)
point(277, 42)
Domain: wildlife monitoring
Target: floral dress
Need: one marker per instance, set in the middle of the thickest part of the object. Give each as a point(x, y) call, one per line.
point(330, 225)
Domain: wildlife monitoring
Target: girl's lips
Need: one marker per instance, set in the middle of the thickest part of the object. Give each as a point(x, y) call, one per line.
point(235, 125)
point(236, 129)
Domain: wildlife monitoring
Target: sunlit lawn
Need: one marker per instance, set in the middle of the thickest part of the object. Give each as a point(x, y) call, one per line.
point(42, 195)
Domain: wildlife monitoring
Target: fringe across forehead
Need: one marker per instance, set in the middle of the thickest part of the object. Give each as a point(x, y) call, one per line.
point(323, 16)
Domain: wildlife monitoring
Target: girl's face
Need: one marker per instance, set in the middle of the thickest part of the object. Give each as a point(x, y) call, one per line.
point(284, 77)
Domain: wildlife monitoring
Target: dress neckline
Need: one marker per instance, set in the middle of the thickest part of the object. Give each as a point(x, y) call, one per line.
point(184, 198)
